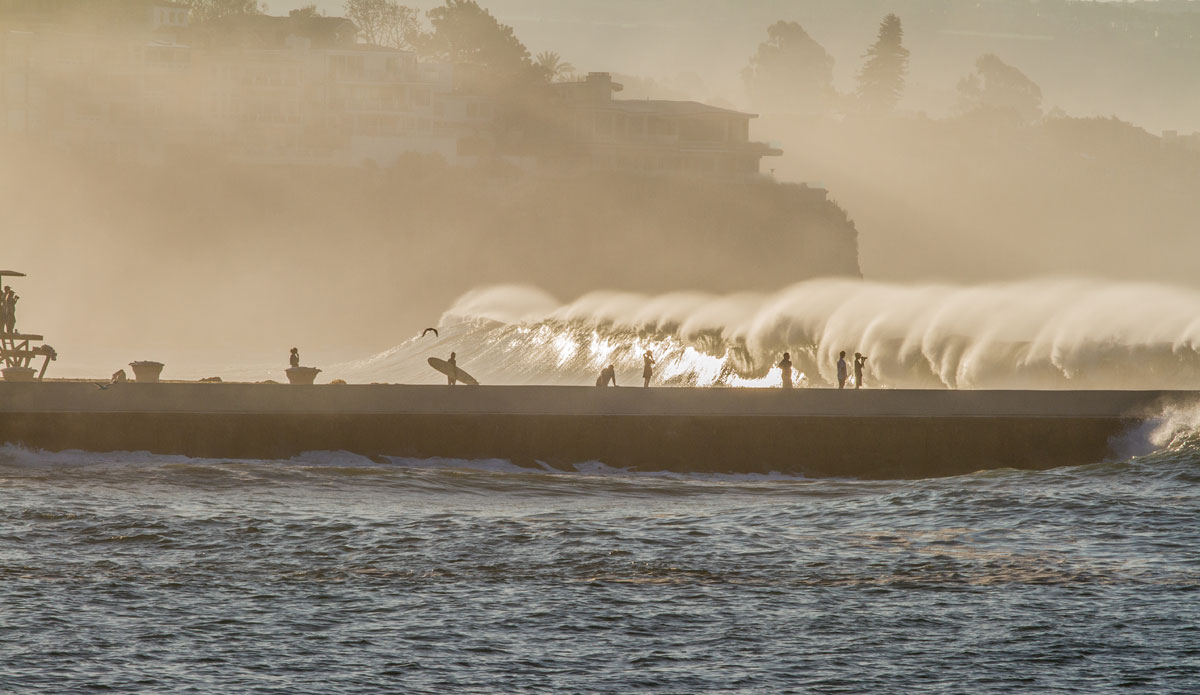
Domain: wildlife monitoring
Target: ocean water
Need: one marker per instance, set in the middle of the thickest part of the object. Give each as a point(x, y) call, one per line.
point(329, 573)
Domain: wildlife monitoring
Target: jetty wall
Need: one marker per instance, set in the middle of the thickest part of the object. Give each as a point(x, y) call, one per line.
point(815, 432)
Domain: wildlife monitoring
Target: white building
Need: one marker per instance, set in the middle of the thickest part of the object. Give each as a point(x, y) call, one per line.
point(649, 136)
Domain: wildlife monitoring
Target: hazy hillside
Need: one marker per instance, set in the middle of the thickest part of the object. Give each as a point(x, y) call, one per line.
point(240, 263)
point(973, 199)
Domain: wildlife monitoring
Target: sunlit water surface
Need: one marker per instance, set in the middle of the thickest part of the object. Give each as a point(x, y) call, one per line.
point(331, 573)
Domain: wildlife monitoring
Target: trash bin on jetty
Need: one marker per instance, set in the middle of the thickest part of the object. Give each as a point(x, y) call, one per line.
point(145, 372)
point(302, 375)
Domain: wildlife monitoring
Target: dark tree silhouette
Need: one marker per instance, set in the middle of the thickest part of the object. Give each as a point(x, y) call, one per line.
point(881, 79)
point(998, 87)
point(553, 67)
point(464, 32)
point(385, 22)
point(789, 72)
point(309, 10)
point(213, 9)
point(490, 60)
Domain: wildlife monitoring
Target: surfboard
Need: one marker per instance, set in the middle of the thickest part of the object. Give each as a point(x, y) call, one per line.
point(444, 367)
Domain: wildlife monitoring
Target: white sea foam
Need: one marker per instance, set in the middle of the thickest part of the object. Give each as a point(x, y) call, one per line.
point(587, 468)
point(16, 456)
point(1176, 427)
point(34, 461)
point(1046, 333)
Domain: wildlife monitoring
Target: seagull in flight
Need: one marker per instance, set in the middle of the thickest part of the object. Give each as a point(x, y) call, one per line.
point(103, 387)
point(428, 330)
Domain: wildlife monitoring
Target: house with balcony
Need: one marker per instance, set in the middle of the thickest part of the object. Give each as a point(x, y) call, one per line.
point(652, 136)
point(384, 103)
point(93, 80)
point(300, 90)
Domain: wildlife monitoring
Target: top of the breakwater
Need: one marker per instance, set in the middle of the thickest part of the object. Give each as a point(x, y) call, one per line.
point(180, 397)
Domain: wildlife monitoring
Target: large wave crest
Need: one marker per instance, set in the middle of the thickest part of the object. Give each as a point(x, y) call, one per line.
point(1031, 334)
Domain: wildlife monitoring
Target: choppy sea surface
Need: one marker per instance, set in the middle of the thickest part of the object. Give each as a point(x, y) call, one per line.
point(329, 573)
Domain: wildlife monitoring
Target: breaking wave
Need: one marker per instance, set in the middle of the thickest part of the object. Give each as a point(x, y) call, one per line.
point(1039, 334)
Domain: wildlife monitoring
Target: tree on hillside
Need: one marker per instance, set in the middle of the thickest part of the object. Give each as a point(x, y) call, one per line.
point(881, 79)
point(306, 11)
point(999, 87)
point(789, 72)
point(203, 10)
point(385, 22)
point(553, 67)
point(464, 32)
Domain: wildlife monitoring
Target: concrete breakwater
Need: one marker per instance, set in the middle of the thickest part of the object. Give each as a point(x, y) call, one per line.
point(815, 432)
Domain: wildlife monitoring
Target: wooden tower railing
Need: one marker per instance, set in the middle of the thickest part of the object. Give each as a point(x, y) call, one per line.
point(17, 351)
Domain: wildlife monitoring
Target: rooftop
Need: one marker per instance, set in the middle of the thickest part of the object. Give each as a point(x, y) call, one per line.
point(671, 108)
point(596, 92)
point(266, 31)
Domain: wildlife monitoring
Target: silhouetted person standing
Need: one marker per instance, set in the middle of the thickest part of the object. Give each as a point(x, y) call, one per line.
point(4, 309)
point(647, 368)
point(452, 377)
point(10, 310)
point(785, 366)
point(607, 375)
point(859, 361)
point(842, 371)
point(294, 358)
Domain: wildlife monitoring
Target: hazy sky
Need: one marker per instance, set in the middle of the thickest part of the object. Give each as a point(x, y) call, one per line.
point(1087, 64)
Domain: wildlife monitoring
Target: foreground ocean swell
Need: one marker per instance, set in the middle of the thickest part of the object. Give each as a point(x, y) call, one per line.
point(332, 573)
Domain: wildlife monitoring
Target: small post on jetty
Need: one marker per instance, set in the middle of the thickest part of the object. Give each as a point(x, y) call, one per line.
point(16, 351)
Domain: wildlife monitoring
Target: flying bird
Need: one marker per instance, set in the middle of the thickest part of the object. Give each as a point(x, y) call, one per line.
point(427, 330)
point(102, 387)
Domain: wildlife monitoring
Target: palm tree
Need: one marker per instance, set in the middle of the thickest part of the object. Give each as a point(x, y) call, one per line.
point(553, 66)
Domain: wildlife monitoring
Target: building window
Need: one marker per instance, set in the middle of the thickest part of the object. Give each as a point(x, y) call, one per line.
point(701, 130)
point(740, 129)
point(478, 110)
point(604, 124)
point(661, 126)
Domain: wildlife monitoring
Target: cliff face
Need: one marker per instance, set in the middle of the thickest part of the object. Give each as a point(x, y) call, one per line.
point(212, 255)
point(651, 234)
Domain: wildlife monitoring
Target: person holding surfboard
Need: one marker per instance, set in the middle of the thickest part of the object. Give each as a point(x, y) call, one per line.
point(449, 367)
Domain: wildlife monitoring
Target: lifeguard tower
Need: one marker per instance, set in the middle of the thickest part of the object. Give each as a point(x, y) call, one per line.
point(17, 351)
